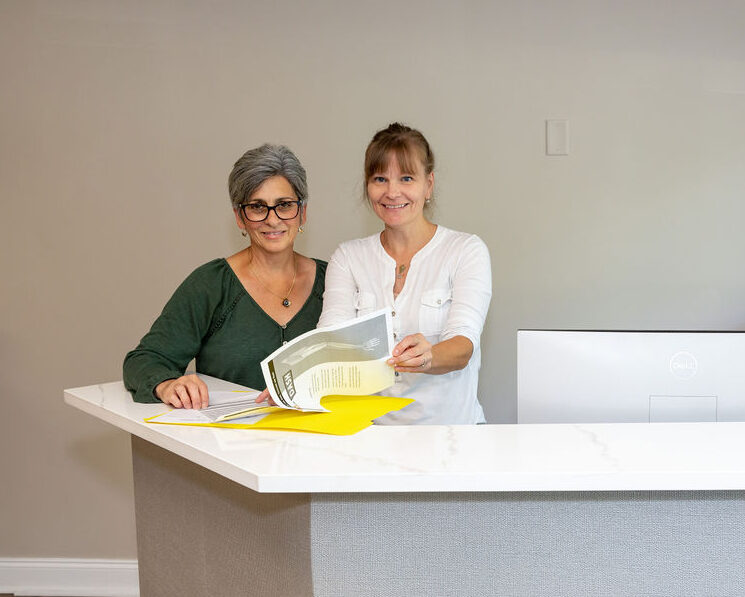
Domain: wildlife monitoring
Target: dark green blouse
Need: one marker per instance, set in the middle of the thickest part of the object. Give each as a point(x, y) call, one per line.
point(212, 318)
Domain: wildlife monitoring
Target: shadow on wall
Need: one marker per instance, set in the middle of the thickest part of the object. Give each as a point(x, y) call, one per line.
point(106, 456)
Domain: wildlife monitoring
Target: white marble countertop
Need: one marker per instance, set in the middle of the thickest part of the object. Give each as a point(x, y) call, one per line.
point(582, 457)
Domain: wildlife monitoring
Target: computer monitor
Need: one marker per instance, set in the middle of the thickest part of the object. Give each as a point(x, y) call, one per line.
point(629, 377)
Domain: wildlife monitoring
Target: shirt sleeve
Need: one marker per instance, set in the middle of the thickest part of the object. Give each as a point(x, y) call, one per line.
point(173, 340)
point(341, 288)
point(471, 292)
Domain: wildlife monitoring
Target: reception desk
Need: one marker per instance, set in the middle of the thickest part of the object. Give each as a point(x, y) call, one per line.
point(603, 509)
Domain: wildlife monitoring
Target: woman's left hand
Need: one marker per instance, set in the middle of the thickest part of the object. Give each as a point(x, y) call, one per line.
point(412, 355)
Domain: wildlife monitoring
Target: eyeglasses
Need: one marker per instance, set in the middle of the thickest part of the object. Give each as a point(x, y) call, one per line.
point(258, 212)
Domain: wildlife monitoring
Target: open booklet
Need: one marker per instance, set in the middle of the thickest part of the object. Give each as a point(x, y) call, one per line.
point(227, 401)
point(348, 359)
point(347, 414)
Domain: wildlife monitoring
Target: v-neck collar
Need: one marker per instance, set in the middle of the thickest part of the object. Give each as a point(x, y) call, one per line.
point(423, 251)
point(420, 254)
point(258, 306)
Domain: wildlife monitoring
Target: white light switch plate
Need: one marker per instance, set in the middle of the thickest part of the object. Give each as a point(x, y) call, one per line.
point(557, 137)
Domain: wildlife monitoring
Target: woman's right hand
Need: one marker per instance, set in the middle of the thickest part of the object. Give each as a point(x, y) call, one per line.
point(264, 396)
point(187, 391)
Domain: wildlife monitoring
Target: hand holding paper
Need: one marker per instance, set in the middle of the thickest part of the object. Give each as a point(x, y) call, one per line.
point(349, 359)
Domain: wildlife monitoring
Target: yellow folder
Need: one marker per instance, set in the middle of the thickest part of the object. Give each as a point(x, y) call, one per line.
point(348, 415)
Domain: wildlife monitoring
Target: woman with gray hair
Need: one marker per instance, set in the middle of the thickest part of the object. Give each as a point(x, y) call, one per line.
point(231, 313)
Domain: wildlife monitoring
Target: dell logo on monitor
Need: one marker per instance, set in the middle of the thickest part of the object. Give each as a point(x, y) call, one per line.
point(683, 365)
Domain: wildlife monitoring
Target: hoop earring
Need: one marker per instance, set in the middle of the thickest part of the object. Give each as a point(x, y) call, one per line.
point(300, 229)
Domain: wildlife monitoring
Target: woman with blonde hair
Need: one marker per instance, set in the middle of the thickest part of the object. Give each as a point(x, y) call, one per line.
point(435, 281)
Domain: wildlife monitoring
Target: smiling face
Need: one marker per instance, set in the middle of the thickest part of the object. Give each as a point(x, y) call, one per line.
point(273, 235)
point(398, 192)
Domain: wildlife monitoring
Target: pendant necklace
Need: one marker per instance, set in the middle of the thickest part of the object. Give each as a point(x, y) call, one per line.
point(400, 269)
point(286, 302)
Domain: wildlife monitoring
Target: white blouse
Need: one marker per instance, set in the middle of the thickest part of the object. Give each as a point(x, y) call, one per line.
point(446, 294)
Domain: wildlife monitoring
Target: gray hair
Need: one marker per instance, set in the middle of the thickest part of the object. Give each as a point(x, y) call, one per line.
point(255, 166)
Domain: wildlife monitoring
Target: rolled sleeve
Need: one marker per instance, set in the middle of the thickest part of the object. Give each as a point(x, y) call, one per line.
point(471, 292)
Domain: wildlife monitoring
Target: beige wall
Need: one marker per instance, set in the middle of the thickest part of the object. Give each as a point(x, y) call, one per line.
point(119, 122)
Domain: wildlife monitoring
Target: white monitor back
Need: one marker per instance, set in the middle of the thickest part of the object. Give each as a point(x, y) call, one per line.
point(629, 377)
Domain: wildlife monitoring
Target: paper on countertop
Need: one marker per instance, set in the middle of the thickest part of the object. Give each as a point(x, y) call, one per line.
point(346, 415)
point(339, 415)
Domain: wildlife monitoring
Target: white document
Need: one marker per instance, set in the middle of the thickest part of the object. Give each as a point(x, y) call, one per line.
point(228, 401)
point(349, 358)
